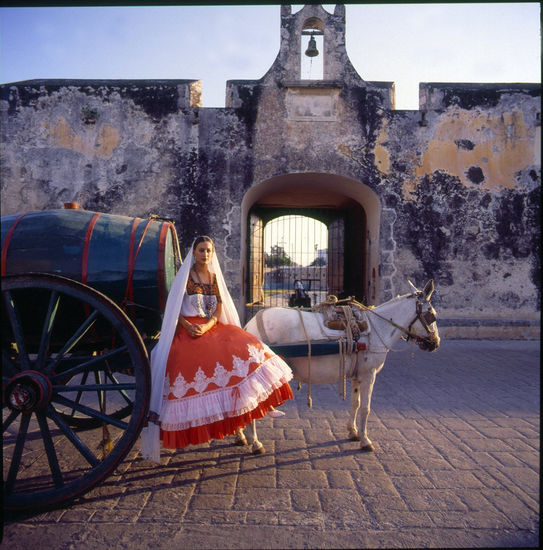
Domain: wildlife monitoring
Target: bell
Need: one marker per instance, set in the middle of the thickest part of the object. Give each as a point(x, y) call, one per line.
point(312, 48)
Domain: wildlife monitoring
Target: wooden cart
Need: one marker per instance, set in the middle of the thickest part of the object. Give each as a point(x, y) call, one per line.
point(83, 294)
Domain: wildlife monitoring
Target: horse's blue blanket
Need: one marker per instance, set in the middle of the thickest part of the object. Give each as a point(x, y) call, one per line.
point(301, 349)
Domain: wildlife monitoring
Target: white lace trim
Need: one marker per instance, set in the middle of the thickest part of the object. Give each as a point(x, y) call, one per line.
point(223, 402)
point(220, 377)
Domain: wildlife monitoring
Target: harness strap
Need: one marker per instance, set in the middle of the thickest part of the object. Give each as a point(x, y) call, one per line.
point(260, 325)
point(309, 400)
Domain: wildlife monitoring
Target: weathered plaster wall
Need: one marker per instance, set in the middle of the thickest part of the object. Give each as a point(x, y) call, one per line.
point(458, 181)
point(127, 147)
point(467, 188)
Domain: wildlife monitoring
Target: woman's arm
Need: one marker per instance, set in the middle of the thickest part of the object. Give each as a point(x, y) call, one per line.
point(196, 330)
point(189, 327)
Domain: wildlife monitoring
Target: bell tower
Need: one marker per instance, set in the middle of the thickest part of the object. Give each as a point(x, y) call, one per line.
point(315, 33)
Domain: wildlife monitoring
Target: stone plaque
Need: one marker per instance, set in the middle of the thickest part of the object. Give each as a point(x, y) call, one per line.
point(312, 104)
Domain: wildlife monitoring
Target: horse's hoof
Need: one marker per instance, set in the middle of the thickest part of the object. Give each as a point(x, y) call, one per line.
point(355, 437)
point(240, 442)
point(367, 448)
point(259, 451)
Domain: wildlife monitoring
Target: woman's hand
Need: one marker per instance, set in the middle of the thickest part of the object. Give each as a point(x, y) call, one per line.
point(197, 330)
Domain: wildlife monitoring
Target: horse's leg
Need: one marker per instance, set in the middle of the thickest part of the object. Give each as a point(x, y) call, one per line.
point(256, 447)
point(240, 438)
point(354, 434)
point(367, 380)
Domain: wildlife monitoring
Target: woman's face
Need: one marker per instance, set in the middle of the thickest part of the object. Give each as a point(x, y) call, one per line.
point(203, 253)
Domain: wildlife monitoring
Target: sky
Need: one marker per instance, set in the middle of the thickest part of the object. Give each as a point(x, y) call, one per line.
point(401, 43)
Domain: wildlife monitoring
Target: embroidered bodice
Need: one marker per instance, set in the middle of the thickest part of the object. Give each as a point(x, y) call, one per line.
point(200, 299)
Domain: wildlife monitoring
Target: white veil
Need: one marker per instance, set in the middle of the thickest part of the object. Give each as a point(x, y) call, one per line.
point(150, 435)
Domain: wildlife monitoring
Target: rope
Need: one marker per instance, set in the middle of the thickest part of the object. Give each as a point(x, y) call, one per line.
point(346, 346)
point(260, 326)
point(309, 400)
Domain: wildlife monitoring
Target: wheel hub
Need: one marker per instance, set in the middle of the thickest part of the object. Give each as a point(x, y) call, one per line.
point(28, 391)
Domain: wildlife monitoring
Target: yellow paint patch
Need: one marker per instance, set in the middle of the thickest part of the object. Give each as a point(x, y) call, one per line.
point(382, 156)
point(502, 146)
point(91, 144)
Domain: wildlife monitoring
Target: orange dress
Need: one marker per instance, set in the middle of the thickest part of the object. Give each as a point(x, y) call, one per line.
point(217, 382)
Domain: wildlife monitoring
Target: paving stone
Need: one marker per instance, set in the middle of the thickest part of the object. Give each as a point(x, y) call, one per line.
point(301, 519)
point(215, 517)
point(211, 502)
point(342, 505)
point(303, 479)
point(375, 484)
point(402, 519)
point(456, 464)
point(304, 500)
point(261, 518)
point(488, 520)
point(340, 480)
point(453, 479)
point(411, 483)
point(433, 499)
point(257, 479)
point(116, 515)
point(263, 499)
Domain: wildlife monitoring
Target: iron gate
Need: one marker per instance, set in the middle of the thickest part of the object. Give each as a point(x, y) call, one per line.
point(297, 256)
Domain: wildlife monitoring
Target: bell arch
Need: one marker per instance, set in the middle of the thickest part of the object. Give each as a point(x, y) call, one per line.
point(351, 211)
point(312, 49)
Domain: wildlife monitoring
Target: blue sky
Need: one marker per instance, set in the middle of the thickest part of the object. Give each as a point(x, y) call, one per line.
point(403, 43)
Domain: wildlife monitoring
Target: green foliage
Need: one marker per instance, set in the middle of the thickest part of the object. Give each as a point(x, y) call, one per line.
point(277, 257)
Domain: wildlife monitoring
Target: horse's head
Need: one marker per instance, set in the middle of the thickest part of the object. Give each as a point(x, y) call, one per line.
point(423, 329)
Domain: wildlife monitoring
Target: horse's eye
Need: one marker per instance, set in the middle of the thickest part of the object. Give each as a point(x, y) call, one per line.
point(429, 317)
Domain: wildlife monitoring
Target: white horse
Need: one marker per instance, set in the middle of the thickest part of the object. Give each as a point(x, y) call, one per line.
point(410, 316)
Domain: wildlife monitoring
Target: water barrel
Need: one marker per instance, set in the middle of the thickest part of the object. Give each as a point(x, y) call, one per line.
point(131, 260)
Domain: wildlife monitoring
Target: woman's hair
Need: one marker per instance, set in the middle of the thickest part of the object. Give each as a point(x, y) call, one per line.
point(203, 239)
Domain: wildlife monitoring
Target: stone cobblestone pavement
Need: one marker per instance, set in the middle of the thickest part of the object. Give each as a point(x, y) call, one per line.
point(456, 464)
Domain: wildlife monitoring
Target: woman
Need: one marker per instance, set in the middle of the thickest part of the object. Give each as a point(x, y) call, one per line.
point(209, 376)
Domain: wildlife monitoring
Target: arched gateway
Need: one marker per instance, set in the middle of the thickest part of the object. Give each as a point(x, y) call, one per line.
point(345, 264)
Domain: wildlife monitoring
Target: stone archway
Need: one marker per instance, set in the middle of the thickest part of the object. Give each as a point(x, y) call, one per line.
point(358, 205)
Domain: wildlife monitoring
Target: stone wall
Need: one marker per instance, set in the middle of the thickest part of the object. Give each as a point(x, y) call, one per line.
point(451, 191)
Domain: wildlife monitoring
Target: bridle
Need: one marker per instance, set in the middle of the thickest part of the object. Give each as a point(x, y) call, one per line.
point(426, 318)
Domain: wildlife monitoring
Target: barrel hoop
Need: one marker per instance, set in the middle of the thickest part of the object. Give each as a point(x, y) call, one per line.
point(161, 265)
point(132, 257)
point(86, 245)
point(129, 293)
point(7, 241)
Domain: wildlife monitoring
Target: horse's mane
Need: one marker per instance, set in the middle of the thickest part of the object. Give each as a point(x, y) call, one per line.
point(395, 299)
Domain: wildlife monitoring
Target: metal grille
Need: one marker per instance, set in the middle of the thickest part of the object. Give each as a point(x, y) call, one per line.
point(295, 257)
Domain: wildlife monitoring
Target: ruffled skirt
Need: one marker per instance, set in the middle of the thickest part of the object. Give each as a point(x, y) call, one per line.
point(217, 383)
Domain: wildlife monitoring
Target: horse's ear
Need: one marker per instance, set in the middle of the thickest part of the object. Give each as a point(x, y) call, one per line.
point(415, 289)
point(428, 289)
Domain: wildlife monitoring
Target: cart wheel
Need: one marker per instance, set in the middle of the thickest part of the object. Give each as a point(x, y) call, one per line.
point(71, 358)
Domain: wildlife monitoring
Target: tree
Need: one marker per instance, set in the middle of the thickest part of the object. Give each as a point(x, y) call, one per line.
point(317, 262)
point(277, 257)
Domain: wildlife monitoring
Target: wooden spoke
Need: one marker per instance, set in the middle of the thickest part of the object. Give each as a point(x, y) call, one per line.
point(89, 365)
point(8, 366)
point(11, 417)
point(48, 324)
point(17, 328)
point(66, 390)
point(90, 411)
point(50, 450)
point(73, 438)
point(17, 453)
point(95, 387)
point(79, 333)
